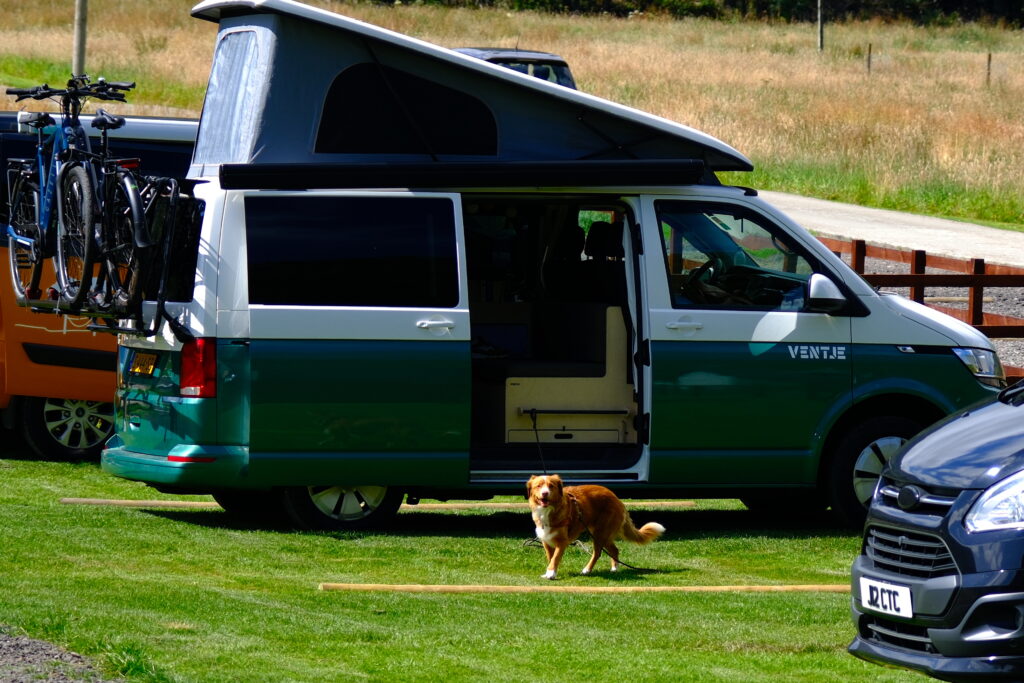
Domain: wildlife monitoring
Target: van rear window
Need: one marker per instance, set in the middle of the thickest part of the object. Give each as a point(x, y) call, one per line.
point(352, 251)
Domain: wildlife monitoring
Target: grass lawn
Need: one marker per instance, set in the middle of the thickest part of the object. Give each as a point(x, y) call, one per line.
point(189, 595)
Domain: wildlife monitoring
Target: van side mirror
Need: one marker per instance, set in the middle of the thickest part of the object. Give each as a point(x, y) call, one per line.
point(823, 296)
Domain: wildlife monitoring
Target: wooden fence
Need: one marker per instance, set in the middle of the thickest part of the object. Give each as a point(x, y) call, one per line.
point(972, 274)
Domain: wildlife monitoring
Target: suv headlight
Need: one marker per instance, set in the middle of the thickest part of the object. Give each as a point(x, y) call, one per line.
point(984, 364)
point(999, 507)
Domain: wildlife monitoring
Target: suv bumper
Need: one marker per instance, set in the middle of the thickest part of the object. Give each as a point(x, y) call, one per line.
point(947, 668)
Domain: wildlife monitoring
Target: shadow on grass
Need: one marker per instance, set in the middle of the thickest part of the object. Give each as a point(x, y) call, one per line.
point(680, 524)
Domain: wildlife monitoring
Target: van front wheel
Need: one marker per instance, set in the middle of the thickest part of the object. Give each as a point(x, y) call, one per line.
point(858, 459)
point(341, 507)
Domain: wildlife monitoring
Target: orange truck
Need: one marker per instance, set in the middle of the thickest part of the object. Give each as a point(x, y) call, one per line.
point(56, 376)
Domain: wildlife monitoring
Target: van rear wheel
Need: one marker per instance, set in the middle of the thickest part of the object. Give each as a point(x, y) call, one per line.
point(858, 459)
point(341, 507)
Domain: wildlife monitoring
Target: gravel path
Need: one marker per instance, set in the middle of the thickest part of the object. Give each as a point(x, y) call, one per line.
point(24, 660)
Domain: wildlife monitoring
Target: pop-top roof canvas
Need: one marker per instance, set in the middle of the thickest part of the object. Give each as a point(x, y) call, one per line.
point(293, 84)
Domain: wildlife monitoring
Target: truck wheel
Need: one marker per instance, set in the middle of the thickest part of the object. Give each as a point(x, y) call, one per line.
point(341, 507)
point(66, 429)
point(858, 459)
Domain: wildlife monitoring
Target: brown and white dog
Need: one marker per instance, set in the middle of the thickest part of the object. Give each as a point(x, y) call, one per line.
point(562, 513)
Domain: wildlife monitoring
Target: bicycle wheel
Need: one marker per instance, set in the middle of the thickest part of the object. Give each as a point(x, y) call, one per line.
point(75, 250)
point(124, 218)
point(23, 219)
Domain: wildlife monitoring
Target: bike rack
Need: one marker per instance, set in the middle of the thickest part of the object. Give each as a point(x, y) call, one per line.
point(140, 329)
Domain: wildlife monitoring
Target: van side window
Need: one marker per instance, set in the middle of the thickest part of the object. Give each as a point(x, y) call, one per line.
point(352, 251)
point(726, 256)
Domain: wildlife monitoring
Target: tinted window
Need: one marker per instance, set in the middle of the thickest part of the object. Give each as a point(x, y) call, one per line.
point(352, 251)
point(375, 109)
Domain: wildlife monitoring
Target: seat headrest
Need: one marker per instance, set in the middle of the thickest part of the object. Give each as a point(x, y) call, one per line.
point(604, 240)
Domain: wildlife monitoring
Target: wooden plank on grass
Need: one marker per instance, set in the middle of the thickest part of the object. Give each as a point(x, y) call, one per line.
point(556, 588)
point(194, 504)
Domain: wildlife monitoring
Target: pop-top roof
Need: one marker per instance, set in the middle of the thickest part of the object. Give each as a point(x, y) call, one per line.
point(293, 84)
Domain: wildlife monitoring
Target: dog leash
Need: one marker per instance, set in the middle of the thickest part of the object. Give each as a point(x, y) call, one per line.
point(536, 436)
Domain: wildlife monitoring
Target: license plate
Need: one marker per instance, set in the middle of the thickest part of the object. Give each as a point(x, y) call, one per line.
point(887, 598)
point(143, 363)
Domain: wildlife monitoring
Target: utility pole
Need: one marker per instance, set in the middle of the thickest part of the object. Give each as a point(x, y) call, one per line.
point(78, 58)
point(821, 27)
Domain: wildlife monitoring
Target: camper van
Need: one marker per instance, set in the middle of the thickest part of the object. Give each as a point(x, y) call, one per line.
point(57, 376)
point(404, 297)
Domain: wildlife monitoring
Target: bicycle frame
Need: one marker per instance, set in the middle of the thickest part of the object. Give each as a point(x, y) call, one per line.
point(51, 151)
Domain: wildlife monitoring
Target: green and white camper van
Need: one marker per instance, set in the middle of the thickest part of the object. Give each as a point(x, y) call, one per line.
point(421, 275)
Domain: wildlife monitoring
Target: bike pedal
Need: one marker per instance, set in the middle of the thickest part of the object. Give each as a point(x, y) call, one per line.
point(52, 294)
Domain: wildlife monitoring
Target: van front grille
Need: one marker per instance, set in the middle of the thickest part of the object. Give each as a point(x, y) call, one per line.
point(908, 553)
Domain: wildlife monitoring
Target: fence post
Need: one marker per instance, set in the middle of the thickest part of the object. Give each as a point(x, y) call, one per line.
point(858, 252)
point(976, 298)
point(918, 260)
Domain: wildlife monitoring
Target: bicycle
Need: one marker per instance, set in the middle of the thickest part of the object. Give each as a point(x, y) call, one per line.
point(60, 191)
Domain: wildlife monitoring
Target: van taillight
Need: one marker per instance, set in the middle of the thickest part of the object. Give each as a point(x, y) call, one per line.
point(199, 368)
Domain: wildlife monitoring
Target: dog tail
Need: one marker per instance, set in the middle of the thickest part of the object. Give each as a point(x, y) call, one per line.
point(644, 535)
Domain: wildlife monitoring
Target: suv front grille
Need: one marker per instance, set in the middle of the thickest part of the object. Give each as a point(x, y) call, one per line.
point(926, 502)
point(908, 554)
point(895, 634)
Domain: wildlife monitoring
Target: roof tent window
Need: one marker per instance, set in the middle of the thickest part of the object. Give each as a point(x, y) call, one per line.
point(376, 109)
point(233, 99)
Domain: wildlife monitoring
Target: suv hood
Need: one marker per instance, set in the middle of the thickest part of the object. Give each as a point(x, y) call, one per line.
point(971, 449)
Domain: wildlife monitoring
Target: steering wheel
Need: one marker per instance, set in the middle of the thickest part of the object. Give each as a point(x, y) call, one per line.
point(697, 273)
point(693, 286)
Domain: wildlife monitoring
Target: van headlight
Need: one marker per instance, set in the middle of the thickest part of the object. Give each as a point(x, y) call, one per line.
point(984, 364)
point(1000, 507)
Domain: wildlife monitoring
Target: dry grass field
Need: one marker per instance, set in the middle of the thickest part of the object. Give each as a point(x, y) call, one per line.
point(929, 129)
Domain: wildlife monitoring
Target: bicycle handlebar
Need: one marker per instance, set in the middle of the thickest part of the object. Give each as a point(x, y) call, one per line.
point(100, 90)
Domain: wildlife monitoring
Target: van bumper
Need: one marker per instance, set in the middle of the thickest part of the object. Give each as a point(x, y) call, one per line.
point(185, 465)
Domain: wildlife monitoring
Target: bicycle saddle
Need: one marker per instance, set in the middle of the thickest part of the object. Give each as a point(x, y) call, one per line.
point(106, 121)
point(36, 119)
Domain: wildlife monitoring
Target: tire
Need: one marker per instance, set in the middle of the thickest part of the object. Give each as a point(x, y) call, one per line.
point(67, 429)
point(75, 249)
point(260, 506)
point(333, 508)
point(26, 264)
point(857, 461)
point(124, 219)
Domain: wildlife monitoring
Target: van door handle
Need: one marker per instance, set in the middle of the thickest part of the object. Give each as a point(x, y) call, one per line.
point(684, 325)
point(434, 324)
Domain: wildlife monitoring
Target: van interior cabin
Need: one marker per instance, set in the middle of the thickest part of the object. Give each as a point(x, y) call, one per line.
point(552, 335)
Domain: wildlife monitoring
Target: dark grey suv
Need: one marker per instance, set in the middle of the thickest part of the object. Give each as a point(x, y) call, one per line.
point(939, 584)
